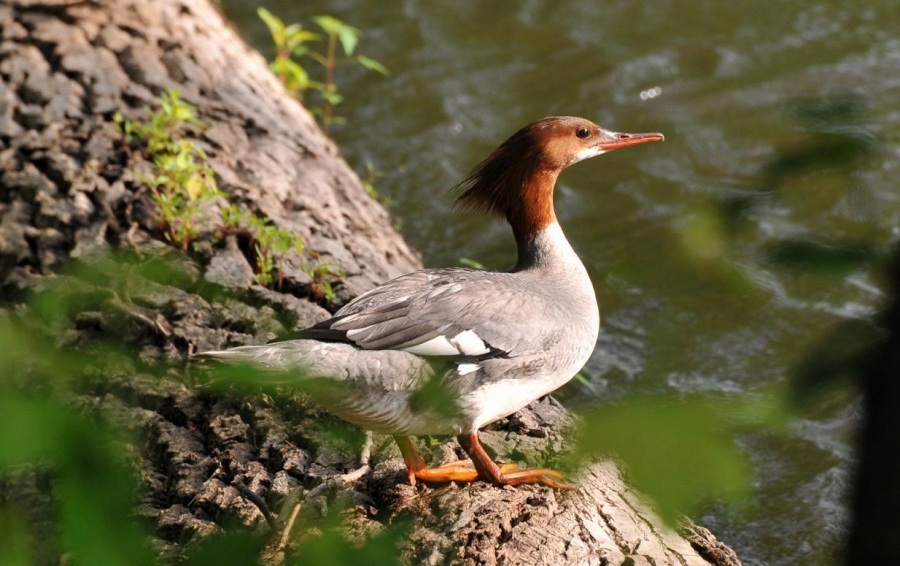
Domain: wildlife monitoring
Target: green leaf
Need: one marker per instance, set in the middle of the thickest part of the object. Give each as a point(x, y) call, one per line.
point(297, 38)
point(301, 51)
point(348, 35)
point(316, 85)
point(275, 25)
point(469, 262)
point(678, 454)
point(332, 95)
point(372, 65)
point(292, 30)
point(296, 77)
point(329, 24)
point(282, 243)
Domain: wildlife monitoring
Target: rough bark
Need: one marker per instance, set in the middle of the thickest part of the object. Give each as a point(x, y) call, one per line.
point(69, 188)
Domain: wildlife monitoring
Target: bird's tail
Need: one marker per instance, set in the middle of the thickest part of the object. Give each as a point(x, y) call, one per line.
point(290, 355)
point(264, 365)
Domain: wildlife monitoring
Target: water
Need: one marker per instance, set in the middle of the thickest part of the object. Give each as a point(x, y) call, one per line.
point(737, 88)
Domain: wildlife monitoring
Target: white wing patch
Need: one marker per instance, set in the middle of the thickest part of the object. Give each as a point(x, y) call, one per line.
point(469, 343)
point(464, 369)
point(352, 334)
point(466, 343)
point(437, 346)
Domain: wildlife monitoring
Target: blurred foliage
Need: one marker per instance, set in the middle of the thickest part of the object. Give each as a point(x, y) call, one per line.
point(334, 545)
point(16, 544)
point(90, 489)
point(679, 452)
point(236, 547)
point(332, 548)
point(92, 486)
point(68, 475)
point(833, 141)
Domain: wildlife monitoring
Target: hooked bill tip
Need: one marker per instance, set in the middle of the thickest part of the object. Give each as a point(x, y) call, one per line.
point(616, 140)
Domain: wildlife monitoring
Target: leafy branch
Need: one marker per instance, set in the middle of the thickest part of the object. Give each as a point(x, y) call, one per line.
point(293, 43)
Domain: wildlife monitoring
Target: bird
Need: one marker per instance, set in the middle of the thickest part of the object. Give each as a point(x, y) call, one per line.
point(447, 351)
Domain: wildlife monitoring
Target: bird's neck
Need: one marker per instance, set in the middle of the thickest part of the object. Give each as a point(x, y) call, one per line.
point(532, 212)
point(549, 250)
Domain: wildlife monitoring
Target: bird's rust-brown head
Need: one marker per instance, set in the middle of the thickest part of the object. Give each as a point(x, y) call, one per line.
point(516, 181)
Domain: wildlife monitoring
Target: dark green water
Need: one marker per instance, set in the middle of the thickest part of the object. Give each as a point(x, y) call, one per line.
point(790, 105)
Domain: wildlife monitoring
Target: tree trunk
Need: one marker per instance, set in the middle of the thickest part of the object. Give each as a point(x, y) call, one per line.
point(71, 187)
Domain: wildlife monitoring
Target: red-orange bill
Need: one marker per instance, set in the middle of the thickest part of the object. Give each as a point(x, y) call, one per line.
point(616, 140)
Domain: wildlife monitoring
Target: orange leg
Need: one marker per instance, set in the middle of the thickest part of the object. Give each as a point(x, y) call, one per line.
point(495, 474)
point(462, 471)
point(479, 467)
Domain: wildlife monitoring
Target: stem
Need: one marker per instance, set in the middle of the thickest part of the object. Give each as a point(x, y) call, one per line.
point(329, 79)
point(280, 272)
point(281, 57)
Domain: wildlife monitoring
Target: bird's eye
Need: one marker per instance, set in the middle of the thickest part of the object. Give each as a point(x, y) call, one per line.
point(582, 133)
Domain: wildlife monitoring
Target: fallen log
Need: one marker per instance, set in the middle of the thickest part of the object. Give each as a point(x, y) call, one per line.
point(72, 188)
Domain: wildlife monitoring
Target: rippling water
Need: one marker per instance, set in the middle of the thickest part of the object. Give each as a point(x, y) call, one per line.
point(742, 92)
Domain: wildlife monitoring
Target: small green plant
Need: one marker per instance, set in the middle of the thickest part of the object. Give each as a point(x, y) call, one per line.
point(321, 273)
point(182, 182)
point(292, 43)
point(270, 243)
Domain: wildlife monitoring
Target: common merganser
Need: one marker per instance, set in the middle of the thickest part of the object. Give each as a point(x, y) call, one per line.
point(448, 351)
